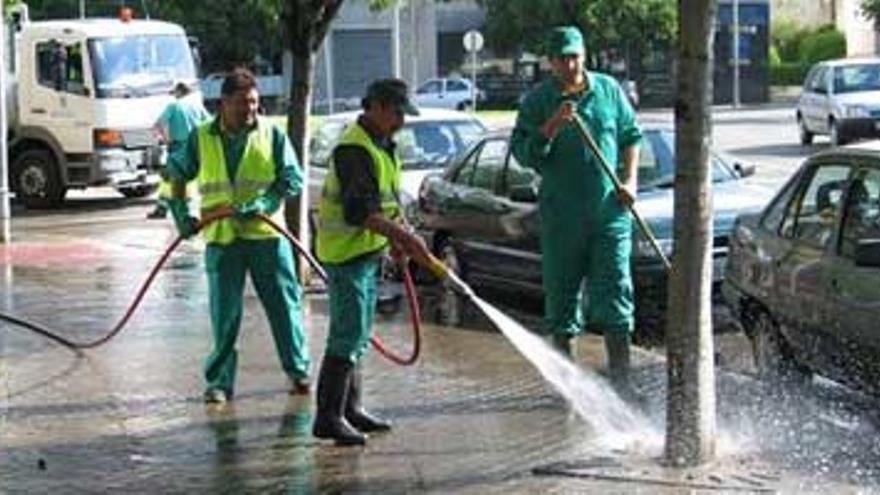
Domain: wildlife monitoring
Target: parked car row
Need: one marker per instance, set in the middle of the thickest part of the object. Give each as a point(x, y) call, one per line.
point(481, 216)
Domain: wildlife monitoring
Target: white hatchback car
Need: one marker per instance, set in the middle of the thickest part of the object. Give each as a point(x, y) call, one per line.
point(451, 93)
point(840, 98)
point(425, 143)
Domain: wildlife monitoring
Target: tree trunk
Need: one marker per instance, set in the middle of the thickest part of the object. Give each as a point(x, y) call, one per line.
point(690, 430)
point(296, 209)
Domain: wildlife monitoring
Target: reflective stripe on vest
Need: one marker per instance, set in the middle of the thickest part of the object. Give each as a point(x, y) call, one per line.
point(338, 241)
point(256, 173)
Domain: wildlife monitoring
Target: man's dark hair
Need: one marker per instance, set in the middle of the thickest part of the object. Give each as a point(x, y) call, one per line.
point(238, 80)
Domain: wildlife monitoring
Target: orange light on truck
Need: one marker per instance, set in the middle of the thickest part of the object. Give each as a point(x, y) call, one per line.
point(108, 138)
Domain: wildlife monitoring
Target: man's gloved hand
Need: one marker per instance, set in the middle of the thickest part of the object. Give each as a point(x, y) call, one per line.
point(186, 224)
point(266, 204)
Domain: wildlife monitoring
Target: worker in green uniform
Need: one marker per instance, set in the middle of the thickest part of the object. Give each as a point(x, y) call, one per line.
point(175, 124)
point(586, 232)
point(359, 214)
point(245, 166)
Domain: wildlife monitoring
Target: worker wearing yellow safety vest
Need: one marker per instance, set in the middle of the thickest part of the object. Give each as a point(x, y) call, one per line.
point(245, 166)
point(358, 217)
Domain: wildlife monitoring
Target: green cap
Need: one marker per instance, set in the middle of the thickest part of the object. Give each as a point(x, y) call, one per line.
point(566, 40)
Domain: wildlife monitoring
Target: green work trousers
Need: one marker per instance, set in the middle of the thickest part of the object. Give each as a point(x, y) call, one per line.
point(596, 258)
point(352, 293)
point(270, 263)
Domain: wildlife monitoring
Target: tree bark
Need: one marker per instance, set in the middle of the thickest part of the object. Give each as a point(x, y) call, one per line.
point(690, 429)
point(307, 23)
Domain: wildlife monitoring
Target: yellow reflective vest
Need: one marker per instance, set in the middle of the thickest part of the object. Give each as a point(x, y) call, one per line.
point(256, 173)
point(338, 241)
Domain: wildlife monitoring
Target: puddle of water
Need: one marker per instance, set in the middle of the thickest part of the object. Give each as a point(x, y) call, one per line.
point(616, 424)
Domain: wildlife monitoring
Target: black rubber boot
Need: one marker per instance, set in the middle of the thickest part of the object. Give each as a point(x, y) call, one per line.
point(617, 348)
point(333, 383)
point(355, 413)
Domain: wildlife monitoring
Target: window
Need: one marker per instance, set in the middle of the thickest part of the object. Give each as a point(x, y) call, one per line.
point(853, 78)
point(60, 66)
point(812, 216)
point(456, 85)
point(482, 169)
point(819, 84)
point(775, 214)
point(862, 214)
point(430, 87)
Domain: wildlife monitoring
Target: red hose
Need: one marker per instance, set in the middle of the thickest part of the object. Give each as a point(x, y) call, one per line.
point(412, 297)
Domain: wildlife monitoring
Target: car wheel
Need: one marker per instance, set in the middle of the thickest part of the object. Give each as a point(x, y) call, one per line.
point(36, 180)
point(450, 304)
point(805, 134)
point(773, 357)
point(834, 134)
point(464, 106)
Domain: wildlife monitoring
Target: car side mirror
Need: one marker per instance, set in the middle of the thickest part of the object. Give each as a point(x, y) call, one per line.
point(868, 253)
point(744, 169)
point(524, 194)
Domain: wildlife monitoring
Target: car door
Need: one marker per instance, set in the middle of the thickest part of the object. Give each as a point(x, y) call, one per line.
point(852, 292)
point(471, 211)
point(58, 92)
point(813, 109)
point(429, 93)
point(457, 93)
point(811, 228)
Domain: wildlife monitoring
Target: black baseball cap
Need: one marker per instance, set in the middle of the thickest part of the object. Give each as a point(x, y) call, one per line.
point(391, 91)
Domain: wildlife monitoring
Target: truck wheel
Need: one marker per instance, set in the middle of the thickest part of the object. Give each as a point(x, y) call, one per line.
point(138, 191)
point(35, 179)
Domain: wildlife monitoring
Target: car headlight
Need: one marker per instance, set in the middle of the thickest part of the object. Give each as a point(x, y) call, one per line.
point(856, 111)
point(644, 248)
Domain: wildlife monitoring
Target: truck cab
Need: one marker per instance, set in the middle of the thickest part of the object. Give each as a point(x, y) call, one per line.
point(84, 96)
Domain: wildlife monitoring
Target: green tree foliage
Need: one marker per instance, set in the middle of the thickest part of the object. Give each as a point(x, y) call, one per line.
point(514, 24)
point(230, 32)
point(824, 44)
point(871, 9)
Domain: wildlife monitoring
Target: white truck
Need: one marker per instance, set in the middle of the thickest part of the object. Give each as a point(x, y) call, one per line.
point(82, 98)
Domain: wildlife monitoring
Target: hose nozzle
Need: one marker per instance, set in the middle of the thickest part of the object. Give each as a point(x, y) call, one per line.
point(442, 271)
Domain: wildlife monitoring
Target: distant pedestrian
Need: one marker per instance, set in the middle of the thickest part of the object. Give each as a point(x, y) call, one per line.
point(175, 124)
point(245, 166)
point(586, 229)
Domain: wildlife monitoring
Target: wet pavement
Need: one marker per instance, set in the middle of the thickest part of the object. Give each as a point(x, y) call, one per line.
point(472, 416)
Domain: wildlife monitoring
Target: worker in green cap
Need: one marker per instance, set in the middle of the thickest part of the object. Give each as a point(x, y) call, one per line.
point(358, 217)
point(244, 166)
point(586, 232)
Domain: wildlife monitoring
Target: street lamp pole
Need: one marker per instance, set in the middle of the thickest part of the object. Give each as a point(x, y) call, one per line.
point(734, 28)
point(5, 209)
point(395, 40)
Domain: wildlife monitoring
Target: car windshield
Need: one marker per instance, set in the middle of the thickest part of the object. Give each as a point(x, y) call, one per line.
point(144, 65)
point(657, 161)
point(854, 78)
point(421, 145)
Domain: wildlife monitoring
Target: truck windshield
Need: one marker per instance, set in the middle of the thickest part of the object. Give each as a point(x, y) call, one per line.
point(142, 65)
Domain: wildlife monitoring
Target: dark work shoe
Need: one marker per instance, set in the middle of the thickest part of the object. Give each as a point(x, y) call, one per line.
point(299, 386)
point(216, 396)
point(158, 213)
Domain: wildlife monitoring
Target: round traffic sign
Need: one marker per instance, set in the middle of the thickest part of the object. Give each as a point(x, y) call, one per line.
point(473, 41)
